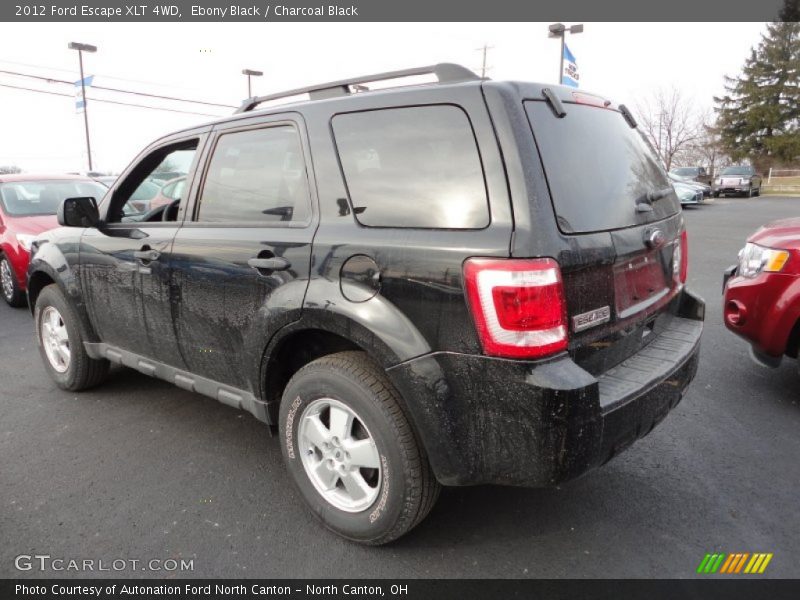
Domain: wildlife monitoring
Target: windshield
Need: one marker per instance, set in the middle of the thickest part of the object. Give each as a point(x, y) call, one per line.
point(597, 167)
point(686, 171)
point(29, 198)
point(737, 171)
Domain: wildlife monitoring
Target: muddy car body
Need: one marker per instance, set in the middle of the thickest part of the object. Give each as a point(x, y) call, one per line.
point(429, 276)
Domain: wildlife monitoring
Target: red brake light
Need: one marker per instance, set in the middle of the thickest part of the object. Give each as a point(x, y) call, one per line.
point(684, 257)
point(518, 306)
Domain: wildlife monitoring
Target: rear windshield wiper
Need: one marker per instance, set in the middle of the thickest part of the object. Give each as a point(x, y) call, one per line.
point(644, 204)
point(554, 102)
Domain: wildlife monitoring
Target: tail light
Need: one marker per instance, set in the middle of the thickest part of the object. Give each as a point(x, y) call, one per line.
point(680, 258)
point(518, 306)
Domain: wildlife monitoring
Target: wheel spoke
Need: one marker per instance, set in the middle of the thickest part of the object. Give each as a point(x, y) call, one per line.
point(341, 422)
point(355, 485)
point(63, 353)
point(363, 453)
point(61, 334)
point(327, 477)
point(315, 432)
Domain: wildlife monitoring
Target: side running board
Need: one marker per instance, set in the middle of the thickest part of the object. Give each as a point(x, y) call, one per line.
point(226, 394)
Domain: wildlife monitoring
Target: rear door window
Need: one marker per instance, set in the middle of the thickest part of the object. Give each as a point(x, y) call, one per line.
point(413, 167)
point(597, 167)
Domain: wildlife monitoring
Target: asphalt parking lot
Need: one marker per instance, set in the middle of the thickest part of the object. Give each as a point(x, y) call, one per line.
point(139, 469)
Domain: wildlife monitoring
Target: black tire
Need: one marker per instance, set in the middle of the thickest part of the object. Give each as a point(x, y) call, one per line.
point(82, 371)
point(14, 296)
point(758, 191)
point(407, 489)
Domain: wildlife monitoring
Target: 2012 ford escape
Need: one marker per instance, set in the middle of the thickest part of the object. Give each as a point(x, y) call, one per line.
point(450, 283)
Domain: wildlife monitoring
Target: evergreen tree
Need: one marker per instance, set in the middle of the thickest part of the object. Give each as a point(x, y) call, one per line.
point(759, 116)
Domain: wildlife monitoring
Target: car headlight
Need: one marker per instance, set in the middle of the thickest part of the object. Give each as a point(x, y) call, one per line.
point(755, 259)
point(684, 194)
point(25, 240)
point(719, 181)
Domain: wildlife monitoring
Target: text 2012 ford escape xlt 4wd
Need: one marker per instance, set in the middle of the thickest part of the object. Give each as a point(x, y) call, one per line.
point(458, 283)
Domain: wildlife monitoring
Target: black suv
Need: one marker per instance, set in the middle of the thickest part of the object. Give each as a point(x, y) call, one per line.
point(410, 283)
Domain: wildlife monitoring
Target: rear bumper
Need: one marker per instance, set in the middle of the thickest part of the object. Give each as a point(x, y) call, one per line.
point(489, 420)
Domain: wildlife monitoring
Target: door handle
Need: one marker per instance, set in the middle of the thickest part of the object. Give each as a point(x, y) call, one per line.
point(275, 263)
point(146, 255)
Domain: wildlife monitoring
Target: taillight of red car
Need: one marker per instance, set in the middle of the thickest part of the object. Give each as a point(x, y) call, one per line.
point(518, 306)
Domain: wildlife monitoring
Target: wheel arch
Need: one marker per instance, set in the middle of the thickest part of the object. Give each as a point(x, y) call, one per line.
point(320, 333)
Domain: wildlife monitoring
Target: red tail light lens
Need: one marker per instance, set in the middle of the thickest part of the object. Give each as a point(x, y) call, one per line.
point(680, 258)
point(518, 306)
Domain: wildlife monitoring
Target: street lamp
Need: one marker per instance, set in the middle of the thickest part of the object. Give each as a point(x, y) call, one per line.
point(250, 73)
point(559, 30)
point(81, 48)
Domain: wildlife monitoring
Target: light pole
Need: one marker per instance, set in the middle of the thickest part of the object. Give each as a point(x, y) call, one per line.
point(250, 73)
point(81, 48)
point(559, 30)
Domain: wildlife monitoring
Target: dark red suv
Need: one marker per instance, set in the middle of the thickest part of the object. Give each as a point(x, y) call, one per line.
point(762, 292)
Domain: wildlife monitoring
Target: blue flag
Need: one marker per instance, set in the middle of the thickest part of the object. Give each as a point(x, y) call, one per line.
point(79, 104)
point(570, 75)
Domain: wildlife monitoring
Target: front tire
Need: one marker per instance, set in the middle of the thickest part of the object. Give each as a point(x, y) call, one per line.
point(60, 340)
point(9, 285)
point(352, 452)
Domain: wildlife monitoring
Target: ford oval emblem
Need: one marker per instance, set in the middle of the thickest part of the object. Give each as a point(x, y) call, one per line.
point(655, 238)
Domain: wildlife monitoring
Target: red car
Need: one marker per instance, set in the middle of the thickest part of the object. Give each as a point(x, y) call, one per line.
point(28, 205)
point(762, 292)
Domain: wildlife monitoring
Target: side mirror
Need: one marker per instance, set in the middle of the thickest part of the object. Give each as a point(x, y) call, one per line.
point(78, 212)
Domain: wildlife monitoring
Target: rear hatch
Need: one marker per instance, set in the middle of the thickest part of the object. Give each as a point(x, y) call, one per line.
point(621, 219)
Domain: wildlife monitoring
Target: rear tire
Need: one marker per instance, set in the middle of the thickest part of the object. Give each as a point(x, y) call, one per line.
point(9, 286)
point(393, 487)
point(60, 340)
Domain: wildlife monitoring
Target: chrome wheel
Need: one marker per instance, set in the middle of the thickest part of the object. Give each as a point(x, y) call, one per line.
point(54, 338)
point(6, 280)
point(339, 455)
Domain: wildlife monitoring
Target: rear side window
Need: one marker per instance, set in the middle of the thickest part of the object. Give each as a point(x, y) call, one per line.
point(413, 167)
point(256, 176)
point(597, 167)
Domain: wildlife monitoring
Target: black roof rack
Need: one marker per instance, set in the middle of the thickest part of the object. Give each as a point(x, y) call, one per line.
point(445, 72)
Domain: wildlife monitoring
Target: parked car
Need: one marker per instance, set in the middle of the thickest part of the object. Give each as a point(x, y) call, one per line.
point(698, 174)
point(389, 280)
point(706, 189)
point(761, 297)
point(739, 179)
point(28, 205)
point(688, 193)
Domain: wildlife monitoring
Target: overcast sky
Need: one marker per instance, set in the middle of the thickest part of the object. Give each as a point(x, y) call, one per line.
point(40, 132)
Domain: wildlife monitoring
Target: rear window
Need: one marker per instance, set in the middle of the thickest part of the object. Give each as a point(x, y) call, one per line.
point(597, 167)
point(413, 167)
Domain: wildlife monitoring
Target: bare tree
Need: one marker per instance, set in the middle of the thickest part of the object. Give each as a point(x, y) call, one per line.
point(669, 121)
point(706, 149)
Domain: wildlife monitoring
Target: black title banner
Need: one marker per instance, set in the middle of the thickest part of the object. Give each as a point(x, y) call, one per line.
point(388, 10)
point(412, 589)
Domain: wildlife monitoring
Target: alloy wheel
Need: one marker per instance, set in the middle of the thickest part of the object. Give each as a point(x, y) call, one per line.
point(339, 455)
point(55, 339)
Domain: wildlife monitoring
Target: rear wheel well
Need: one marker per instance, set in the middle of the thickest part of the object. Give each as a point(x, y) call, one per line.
point(292, 354)
point(38, 281)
